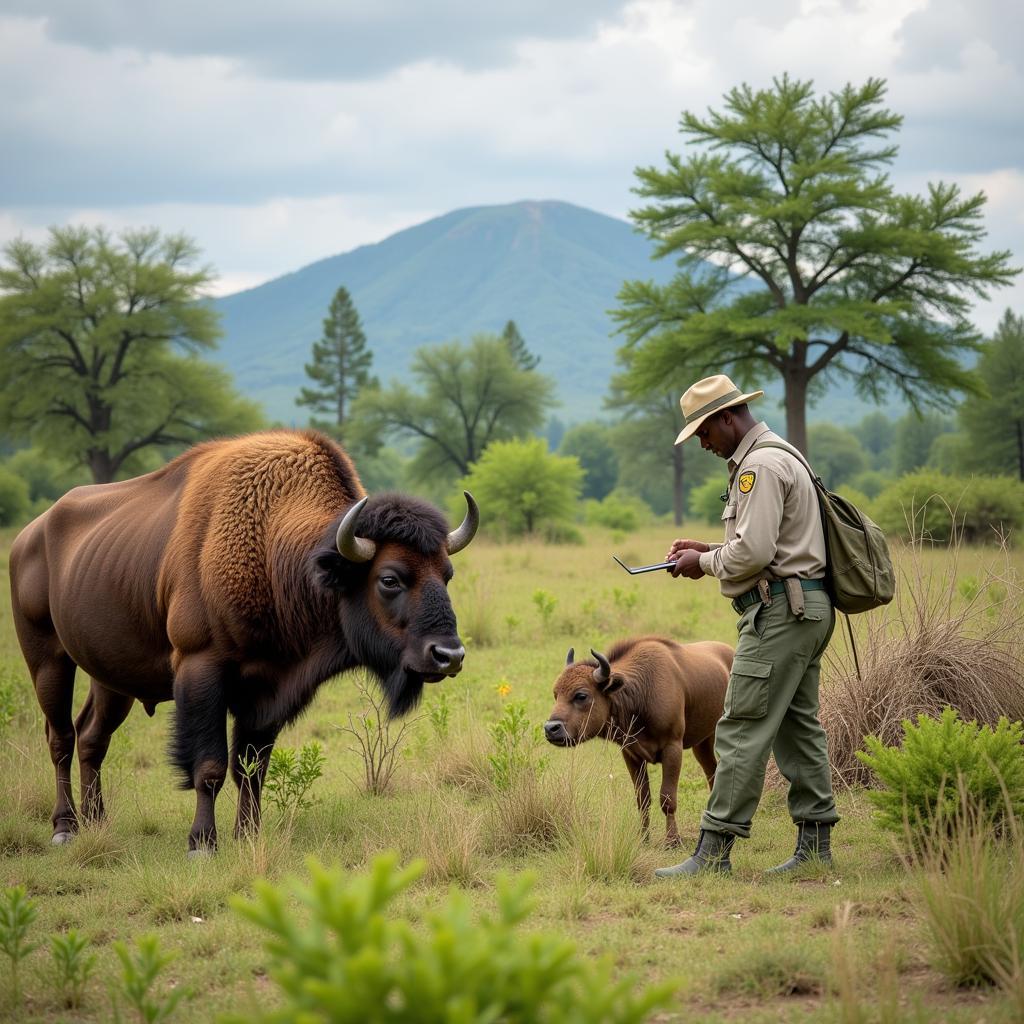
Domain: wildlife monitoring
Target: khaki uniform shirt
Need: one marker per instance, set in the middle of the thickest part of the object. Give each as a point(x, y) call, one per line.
point(772, 520)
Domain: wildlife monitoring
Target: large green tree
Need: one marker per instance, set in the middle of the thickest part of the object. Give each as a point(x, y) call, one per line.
point(799, 259)
point(341, 363)
point(994, 423)
point(590, 443)
point(100, 341)
point(467, 396)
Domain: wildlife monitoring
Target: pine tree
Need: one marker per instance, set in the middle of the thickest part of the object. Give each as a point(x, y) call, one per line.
point(341, 362)
point(523, 357)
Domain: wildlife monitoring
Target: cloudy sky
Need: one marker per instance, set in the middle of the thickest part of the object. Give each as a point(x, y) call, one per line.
point(276, 134)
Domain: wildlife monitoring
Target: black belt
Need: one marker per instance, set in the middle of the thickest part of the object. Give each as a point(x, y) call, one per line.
point(753, 596)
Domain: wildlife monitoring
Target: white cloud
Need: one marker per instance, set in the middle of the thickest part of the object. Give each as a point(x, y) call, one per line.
point(269, 174)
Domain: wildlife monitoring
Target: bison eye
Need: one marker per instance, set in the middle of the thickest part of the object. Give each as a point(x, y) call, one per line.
point(390, 582)
point(580, 696)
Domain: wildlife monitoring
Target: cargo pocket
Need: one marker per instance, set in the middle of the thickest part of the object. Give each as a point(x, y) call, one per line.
point(747, 696)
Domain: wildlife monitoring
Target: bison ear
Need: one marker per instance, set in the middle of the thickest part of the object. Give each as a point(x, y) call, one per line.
point(613, 684)
point(331, 570)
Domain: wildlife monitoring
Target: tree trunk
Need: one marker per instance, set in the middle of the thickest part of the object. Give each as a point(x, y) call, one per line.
point(796, 410)
point(101, 465)
point(677, 483)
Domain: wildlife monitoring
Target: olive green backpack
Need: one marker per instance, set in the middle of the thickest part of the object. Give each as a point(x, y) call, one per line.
point(859, 572)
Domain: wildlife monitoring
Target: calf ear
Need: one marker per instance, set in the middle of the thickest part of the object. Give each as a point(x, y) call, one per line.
point(613, 684)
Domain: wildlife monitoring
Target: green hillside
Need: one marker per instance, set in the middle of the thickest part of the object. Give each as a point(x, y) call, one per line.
point(552, 267)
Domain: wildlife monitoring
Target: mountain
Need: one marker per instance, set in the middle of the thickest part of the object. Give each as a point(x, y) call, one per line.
point(552, 267)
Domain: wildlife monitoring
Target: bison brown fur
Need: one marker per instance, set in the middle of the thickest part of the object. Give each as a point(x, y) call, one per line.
point(655, 698)
point(234, 581)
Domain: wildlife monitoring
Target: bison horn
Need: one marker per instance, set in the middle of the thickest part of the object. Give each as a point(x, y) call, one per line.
point(460, 538)
point(355, 549)
point(604, 671)
point(569, 656)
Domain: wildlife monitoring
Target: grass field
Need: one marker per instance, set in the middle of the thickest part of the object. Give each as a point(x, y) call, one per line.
point(847, 945)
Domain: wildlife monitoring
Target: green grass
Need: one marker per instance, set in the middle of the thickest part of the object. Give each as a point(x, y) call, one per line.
point(744, 947)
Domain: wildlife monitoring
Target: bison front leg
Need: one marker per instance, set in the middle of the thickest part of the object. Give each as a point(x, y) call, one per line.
point(200, 746)
point(642, 787)
point(251, 748)
point(671, 763)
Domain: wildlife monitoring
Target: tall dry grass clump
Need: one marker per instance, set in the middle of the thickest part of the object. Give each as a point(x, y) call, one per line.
point(971, 892)
point(948, 640)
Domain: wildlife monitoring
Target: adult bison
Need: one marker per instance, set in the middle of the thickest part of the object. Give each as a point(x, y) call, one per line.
point(655, 698)
point(237, 579)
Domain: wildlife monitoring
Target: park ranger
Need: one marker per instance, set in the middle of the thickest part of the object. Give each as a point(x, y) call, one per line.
point(772, 567)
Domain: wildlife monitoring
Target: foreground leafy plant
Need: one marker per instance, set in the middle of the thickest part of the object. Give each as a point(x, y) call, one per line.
point(17, 912)
point(74, 966)
point(943, 763)
point(351, 960)
point(140, 969)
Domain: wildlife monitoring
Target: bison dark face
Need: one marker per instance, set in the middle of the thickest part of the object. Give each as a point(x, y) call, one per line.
point(582, 706)
point(392, 568)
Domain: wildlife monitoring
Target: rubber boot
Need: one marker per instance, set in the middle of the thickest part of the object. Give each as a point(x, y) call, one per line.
point(813, 843)
point(711, 855)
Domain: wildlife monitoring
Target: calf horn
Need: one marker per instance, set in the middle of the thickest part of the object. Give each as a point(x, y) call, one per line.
point(355, 549)
point(460, 538)
point(604, 670)
point(569, 656)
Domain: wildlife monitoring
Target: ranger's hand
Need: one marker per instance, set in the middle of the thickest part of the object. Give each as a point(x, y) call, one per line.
point(679, 546)
point(688, 564)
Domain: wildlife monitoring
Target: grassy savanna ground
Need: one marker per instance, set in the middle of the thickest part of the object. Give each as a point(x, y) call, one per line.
point(745, 947)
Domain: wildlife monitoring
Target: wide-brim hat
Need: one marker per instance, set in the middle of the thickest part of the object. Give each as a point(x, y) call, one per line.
point(706, 397)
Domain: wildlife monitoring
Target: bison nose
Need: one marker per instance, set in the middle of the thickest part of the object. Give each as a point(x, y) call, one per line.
point(448, 659)
point(554, 730)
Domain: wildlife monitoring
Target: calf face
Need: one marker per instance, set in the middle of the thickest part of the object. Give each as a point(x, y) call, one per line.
point(582, 706)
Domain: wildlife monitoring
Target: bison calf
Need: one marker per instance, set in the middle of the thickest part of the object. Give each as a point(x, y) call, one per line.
point(655, 698)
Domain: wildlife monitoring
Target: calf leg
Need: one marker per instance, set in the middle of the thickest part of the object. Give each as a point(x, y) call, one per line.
point(705, 754)
point(642, 787)
point(253, 745)
point(54, 680)
point(103, 711)
point(671, 763)
point(200, 744)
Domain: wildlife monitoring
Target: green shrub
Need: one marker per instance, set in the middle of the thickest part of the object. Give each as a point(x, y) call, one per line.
point(350, 958)
point(943, 763)
point(15, 503)
point(618, 511)
point(932, 505)
point(526, 489)
point(706, 500)
point(871, 482)
point(513, 736)
point(140, 968)
point(73, 965)
point(17, 912)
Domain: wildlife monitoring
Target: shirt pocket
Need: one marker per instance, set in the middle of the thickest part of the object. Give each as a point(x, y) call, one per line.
point(729, 512)
point(749, 688)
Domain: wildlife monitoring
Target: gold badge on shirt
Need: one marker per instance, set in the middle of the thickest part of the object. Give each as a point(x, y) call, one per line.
point(747, 482)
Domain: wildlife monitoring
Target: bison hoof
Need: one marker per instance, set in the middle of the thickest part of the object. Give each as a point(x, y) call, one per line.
point(201, 853)
point(62, 838)
point(673, 843)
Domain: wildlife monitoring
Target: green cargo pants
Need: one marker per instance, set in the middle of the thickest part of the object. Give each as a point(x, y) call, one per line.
point(771, 706)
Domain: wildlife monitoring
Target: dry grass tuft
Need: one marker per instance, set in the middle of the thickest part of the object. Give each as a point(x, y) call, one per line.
point(450, 838)
point(536, 813)
point(948, 640)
